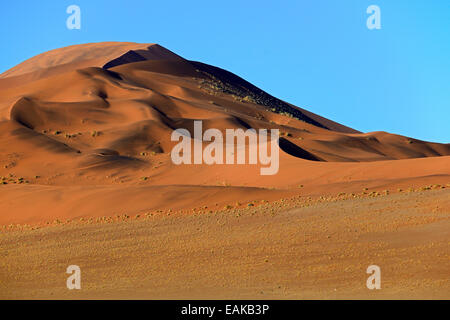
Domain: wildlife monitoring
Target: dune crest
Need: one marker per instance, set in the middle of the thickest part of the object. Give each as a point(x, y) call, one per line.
point(90, 54)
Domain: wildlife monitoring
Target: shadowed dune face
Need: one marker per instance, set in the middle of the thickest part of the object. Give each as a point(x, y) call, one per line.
point(103, 114)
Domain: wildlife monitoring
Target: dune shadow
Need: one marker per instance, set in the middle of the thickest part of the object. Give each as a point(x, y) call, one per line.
point(109, 160)
point(296, 151)
point(42, 141)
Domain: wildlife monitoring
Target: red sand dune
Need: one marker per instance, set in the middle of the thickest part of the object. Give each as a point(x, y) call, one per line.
point(81, 126)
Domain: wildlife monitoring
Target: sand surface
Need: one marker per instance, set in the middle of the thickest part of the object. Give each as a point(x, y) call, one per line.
point(290, 249)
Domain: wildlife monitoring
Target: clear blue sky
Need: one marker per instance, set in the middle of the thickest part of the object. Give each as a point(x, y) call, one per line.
point(317, 54)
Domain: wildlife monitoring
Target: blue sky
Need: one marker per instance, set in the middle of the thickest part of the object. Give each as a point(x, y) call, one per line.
point(317, 54)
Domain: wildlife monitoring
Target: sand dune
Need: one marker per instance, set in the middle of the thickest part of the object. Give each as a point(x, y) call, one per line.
point(104, 118)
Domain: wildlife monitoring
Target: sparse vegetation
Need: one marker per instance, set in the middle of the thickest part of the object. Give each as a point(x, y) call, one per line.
point(12, 179)
point(214, 86)
point(248, 99)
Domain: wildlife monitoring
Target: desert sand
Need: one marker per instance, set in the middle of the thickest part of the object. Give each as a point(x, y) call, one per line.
point(86, 178)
